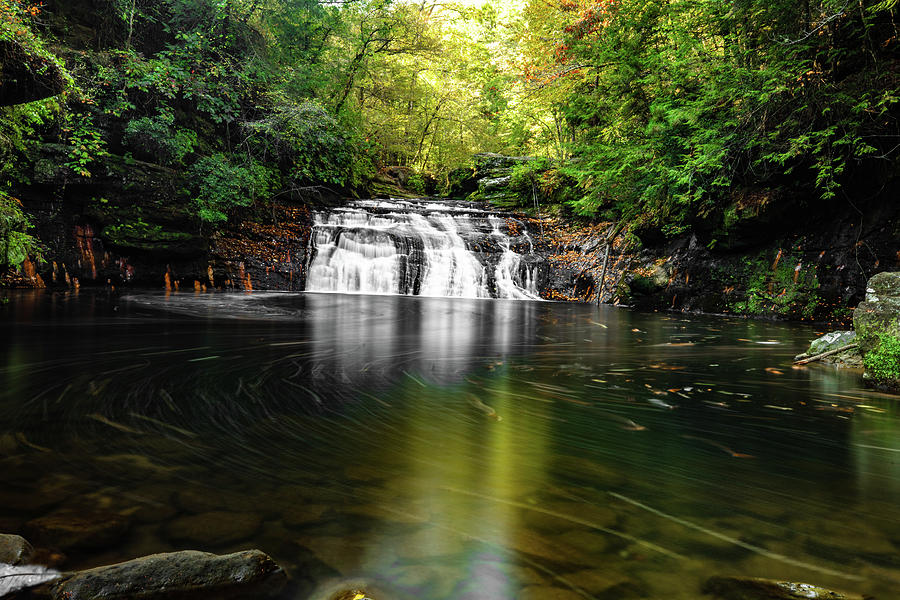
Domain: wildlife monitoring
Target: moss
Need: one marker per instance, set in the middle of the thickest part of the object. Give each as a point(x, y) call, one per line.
point(883, 363)
point(150, 238)
point(771, 282)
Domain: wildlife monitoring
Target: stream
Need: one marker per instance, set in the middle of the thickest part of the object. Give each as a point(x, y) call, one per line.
point(443, 448)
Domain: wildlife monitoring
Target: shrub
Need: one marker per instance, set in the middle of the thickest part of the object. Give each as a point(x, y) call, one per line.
point(309, 143)
point(883, 363)
point(158, 139)
point(15, 243)
point(219, 184)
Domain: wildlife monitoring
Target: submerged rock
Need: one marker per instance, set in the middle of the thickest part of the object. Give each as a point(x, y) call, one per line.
point(748, 588)
point(69, 529)
point(215, 528)
point(185, 575)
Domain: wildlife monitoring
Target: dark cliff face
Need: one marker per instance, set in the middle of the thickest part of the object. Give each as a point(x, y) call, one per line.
point(130, 224)
point(25, 76)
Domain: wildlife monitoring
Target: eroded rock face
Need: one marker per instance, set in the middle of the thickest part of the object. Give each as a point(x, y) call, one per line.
point(186, 575)
point(877, 325)
point(748, 588)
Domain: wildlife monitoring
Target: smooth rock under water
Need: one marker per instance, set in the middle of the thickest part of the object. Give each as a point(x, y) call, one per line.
point(185, 575)
point(69, 529)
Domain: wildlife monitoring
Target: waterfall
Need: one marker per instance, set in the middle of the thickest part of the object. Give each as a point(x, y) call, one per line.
point(421, 248)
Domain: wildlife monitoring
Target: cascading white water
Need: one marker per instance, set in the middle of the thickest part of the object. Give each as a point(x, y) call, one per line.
point(419, 248)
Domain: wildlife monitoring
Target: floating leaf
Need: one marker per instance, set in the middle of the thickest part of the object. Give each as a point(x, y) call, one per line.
point(15, 579)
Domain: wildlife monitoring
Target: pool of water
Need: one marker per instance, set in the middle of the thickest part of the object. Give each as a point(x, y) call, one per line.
point(443, 448)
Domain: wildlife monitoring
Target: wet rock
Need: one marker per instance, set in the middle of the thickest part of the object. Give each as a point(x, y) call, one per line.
point(348, 554)
point(596, 581)
point(203, 500)
point(302, 514)
point(431, 581)
point(135, 464)
point(407, 514)
point(45, 494)
point(14, 549)
point(214, 528)
point(71, 529)
point(877, 325)
point(427, 542)
point(832, 341)
point(186, 575)
point(746, 588)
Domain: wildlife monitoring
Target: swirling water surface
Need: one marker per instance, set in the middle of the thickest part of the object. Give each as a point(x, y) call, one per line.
point(443, 448)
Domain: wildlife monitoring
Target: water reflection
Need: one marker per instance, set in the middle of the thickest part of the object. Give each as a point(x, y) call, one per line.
point(442, 448)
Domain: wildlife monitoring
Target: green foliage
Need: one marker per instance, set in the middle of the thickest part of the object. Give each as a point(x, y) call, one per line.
point(86, 143)
point(309, 142)
point(672, 103)
point(159, 139)
point(778, 283)
point(416, 183)
point(16, 244)
point(883, 363)
point(221, 183)
point(542, 182)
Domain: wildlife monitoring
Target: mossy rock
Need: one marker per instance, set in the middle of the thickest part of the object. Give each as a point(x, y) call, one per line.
point(152, 238)
point(25, 76)
point(832, 341)
point(877, 324)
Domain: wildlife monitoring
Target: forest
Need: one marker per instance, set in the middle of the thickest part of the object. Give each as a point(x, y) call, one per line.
point(449, 299)
point(670, 116)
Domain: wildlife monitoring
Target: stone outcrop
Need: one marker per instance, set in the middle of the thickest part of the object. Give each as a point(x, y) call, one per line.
point(25, 76)
point(185, 575)
point(129, 224)
point(835, 340)
point(877, 325)
point(489, 180)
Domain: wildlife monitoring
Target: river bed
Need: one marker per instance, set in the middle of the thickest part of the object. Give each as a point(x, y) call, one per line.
point(443, 448)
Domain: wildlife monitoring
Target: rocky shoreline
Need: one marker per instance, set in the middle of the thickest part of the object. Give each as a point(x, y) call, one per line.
point(251, 574)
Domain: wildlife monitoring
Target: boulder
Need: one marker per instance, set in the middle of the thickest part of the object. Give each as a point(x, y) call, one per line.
point(749, 588)
point(833, 341)
point(877, 325)
point(185, 575)
point(14, 549)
